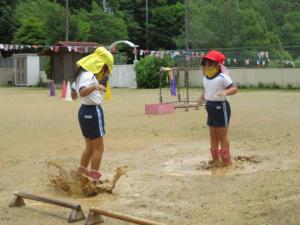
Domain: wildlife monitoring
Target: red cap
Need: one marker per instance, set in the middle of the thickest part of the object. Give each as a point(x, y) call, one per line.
point(215, 56)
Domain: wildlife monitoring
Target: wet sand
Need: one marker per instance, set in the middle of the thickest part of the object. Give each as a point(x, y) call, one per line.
point(166, 180)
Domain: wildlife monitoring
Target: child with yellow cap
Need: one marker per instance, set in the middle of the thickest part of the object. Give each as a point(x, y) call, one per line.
point(92, 69)
point(217, 86)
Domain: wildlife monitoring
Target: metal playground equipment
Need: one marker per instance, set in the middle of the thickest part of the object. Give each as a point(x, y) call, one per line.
point(174, 76)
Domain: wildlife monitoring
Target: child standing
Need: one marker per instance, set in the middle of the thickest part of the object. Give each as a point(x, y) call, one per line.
point(92, 69)
point(217, 86)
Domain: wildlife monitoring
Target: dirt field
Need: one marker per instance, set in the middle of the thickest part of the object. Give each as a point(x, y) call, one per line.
point(164, 181)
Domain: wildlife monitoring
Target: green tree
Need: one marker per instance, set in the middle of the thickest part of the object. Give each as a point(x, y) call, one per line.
point(148, 71)
point(51, 16)
point(252, 28)
point(133, 13)
point(79, 30)
point(167, 22)
point(214, 24)
point(7, 24)
point(31, 32)
point(104, 27)
point(224, 24)
point(135, 16)
point(290, 31)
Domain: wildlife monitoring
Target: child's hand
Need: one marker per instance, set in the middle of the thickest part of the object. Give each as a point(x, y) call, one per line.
point(222, 94)
point(103, 81)
point(74, 95)
point(199, 103)
point(100, 87)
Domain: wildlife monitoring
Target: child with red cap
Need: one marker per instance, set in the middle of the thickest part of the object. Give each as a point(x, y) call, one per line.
point(217, 86)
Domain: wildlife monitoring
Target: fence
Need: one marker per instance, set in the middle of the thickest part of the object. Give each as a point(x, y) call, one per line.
point(125, 76)
point(283, 77)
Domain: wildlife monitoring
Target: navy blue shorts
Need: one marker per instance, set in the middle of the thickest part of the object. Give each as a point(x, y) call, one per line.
point(218, 113)
point(91, 120)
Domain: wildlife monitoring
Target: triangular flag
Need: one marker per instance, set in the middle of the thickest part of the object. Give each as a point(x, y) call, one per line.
point(56, 49)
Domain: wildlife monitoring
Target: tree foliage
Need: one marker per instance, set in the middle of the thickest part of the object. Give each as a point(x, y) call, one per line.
point(220, 24)
point(7, 23)
point(51, 17)
point(104, 27)
point(31, 32)
point(148, 71)
point(167, 23)
point(290, 31)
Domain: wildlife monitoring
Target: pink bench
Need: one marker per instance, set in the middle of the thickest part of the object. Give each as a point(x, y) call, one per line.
point(159, 108)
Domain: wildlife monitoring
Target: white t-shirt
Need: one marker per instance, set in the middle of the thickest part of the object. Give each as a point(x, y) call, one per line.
point(86, 79)
point(215, 85)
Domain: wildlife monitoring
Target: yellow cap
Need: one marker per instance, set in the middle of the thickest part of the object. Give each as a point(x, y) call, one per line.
point(95, 61)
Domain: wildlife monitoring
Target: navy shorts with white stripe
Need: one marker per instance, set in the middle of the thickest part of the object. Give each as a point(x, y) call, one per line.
point(218, 113)
point(91, 120)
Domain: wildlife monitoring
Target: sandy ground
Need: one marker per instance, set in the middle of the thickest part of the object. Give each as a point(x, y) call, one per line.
point(164, 182)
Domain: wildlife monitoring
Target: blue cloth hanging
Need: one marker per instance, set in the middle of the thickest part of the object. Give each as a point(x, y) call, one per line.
point(172, 83)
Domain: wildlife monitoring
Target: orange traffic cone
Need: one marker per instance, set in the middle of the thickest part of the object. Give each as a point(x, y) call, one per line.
point(63, 89)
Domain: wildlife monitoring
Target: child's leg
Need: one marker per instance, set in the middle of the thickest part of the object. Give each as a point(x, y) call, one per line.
point(98, 148)
point(214, 144)
point(85, 158)
point(223, 137)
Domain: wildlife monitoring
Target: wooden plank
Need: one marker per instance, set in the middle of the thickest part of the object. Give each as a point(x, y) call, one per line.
point(75, 215)
point(48, 200)
point(123, 217)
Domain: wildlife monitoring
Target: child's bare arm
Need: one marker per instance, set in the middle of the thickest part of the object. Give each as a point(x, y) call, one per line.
point(200, 100)
point(87, 90)
point(229, 91)
point(74, 95)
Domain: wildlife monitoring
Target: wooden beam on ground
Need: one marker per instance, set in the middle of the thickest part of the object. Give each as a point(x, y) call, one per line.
point(95, 214)
point(75, 215)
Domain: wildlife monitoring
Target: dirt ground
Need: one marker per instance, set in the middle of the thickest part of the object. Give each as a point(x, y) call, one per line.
point(164, 182)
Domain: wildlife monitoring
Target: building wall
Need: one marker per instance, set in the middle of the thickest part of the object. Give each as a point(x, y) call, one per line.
point(64, 66)
point(6, 76)
point(282, 77)
point(33, 70)
point(27, 69)
point(123, 76)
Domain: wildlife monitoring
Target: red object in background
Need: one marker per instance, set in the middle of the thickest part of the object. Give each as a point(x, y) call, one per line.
point(64, 89)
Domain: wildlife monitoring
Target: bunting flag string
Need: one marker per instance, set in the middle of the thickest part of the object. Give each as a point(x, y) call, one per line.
point(259, 58)
point(53, 48)
point(262, 58)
